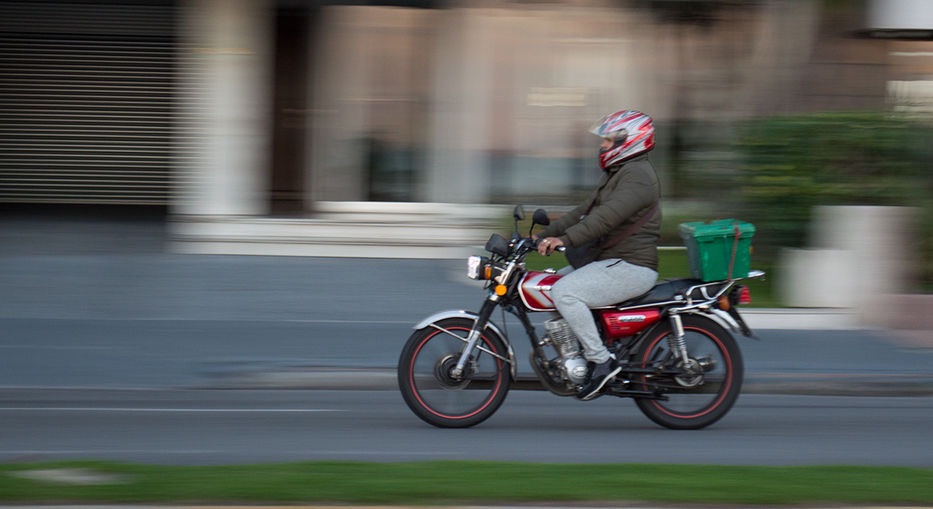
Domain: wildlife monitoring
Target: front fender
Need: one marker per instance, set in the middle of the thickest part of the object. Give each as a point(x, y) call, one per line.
point(470, 315)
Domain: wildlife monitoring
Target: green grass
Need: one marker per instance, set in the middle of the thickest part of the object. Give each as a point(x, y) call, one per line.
point(452, 482)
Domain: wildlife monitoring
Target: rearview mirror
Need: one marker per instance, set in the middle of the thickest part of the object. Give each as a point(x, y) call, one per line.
point(518, 213)
point(540, 217)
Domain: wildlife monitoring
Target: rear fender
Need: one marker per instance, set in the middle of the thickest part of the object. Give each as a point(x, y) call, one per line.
point(718, 317)
point(459, 313)
point(729, 320)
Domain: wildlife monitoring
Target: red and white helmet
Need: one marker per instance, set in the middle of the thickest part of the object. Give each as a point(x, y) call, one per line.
point(631, 132)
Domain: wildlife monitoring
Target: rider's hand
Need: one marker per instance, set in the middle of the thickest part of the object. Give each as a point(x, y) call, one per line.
point(547, 245)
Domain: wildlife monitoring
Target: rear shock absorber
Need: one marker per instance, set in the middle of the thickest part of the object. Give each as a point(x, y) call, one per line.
point(676, 339)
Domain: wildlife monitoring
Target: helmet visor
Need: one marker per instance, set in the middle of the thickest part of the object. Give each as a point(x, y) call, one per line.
point(608, 130)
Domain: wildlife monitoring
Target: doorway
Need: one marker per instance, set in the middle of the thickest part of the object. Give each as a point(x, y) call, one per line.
point(292, 71)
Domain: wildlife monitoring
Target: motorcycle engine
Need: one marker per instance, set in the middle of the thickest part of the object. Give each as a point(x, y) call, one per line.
point(571, 362)
point(575, 369)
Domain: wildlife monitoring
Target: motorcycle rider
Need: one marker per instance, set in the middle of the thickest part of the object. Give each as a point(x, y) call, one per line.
point(628, 193)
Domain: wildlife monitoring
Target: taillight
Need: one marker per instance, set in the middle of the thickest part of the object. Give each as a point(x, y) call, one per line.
point(740, 295)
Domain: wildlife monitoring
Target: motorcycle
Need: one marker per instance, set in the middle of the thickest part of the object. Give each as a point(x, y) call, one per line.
point(681, 366)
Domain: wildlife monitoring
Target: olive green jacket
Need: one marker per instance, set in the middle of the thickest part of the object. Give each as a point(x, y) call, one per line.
point(626, 192)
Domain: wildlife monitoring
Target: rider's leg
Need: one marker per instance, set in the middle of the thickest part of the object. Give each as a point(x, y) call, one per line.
point(601, 283)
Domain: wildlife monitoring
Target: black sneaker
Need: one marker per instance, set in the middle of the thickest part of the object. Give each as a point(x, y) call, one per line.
point(601, 374)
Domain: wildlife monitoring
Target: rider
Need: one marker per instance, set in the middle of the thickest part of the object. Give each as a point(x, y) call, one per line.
point(629, 189)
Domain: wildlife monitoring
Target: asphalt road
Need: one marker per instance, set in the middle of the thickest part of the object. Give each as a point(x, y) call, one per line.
point(222, 427)
point(229, 391)
point(142, 356)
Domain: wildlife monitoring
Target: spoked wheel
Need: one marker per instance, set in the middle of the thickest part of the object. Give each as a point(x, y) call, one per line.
point(698, 392)
point(439, 395)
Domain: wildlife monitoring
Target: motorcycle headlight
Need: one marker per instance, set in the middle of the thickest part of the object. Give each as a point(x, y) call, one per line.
point(479, 267)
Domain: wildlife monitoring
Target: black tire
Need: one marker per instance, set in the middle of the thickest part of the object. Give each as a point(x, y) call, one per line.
point(437, 398)
point(693, 401)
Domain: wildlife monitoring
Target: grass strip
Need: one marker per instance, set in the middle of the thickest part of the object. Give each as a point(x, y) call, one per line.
point(467, 482)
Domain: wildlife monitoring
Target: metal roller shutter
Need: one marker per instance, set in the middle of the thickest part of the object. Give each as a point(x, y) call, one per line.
point(86, 101)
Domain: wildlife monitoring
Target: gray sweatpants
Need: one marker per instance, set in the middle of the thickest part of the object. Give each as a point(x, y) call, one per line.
point(600, 283)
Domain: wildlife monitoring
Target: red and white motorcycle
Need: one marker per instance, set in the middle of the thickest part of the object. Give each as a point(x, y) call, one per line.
point(679, 363)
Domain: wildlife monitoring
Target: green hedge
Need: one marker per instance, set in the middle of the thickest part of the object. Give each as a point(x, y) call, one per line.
point(789, 165)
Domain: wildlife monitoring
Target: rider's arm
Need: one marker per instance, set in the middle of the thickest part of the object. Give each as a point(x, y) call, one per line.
point(560, 225)
point(634, 190)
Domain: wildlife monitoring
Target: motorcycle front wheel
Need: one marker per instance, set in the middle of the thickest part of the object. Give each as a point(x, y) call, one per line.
point(432, 390)
point(699, 392)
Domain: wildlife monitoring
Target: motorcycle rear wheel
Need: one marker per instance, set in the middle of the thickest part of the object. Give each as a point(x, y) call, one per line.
point(699, 394)
point(434, 394)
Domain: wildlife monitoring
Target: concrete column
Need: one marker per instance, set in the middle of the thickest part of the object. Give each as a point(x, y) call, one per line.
point(339, 92)
point(223, 136)
point(458, 167)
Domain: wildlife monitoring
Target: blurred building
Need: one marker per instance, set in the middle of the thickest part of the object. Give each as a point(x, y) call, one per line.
point(268, 121)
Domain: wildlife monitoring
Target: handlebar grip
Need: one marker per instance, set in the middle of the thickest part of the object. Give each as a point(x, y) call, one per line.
point(561, 249)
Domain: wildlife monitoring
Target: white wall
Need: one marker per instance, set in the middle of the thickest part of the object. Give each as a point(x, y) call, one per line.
point(900, 15)
point(857, 255)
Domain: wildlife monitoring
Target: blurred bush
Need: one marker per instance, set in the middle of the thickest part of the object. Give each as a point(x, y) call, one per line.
point(788, 165)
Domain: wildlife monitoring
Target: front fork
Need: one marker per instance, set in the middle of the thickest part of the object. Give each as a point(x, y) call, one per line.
point(478, 326)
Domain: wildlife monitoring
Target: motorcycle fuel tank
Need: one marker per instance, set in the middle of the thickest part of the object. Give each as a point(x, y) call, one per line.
point(535, 290)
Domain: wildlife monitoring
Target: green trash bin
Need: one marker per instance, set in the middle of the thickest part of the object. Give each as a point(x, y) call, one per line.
point(718, 249)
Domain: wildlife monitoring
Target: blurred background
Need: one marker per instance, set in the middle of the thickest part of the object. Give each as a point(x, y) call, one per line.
point(300, 127)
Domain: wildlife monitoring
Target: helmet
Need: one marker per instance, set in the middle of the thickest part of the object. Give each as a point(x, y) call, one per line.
point(632, 133)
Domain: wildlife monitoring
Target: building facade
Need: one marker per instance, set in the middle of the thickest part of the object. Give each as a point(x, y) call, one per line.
point(225, 111)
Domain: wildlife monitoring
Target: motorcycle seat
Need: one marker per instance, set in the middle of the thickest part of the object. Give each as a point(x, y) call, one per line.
point(664, 291)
